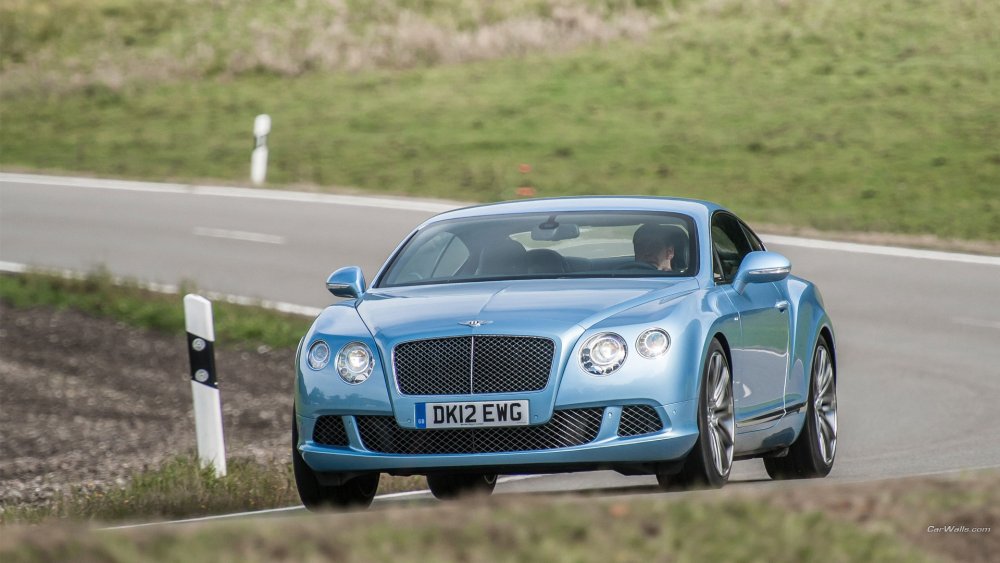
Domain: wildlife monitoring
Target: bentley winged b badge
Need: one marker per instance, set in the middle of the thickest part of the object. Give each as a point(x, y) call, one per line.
point(475, 324)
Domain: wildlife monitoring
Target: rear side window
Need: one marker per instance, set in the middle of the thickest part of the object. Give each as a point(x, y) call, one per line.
point(755, 243)
point(730, 245)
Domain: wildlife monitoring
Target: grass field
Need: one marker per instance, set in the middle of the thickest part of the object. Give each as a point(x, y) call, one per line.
point(98, 294)
point(863, 115)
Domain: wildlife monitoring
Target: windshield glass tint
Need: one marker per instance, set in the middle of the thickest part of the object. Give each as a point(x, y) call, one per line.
point(545, 245)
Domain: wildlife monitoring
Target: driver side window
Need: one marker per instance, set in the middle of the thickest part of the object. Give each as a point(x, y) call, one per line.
point(729, 244)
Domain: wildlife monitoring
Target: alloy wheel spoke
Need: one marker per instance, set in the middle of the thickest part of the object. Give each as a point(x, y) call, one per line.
point(715, 376)
point(828, 378)
point(820, 372)
point(830, 426)
point(713, 437)
point(726, 434)
point(822, 446)
point(830, 441)
point(722, 386)
point(725, 450)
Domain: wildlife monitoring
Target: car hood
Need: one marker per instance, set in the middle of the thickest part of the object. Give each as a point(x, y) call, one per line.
point(527, 307)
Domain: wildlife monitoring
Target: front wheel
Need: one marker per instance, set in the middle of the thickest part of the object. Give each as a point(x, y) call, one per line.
point(448, 486)
point(711, 460)
point(813, 452)
point(354, 493)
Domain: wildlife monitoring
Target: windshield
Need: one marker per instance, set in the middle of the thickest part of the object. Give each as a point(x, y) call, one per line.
point(544, 245)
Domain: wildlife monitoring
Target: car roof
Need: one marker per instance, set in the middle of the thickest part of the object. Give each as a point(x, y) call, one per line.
point(694, 207)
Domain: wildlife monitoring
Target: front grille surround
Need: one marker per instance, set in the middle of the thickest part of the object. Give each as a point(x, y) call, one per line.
point(473, 365)
point(566, 428)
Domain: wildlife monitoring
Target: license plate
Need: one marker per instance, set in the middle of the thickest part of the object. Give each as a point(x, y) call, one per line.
point(463, 415)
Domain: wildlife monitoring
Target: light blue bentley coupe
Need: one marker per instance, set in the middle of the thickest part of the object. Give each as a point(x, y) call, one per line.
point(644, 335)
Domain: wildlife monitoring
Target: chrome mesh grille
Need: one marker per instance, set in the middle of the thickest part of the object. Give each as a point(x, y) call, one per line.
point(566, 428)
point(639, 419)
point(441, 366)
point(502, 364)
point(329, 431)
point(473, 365)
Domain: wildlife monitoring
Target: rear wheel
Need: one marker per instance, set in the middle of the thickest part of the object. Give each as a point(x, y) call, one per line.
point(357, 492)
point(447, 486)
point(814, 450)
point(711, 460)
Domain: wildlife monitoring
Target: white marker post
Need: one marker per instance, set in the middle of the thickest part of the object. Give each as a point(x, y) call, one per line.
point(204, 385)
point(258, 158)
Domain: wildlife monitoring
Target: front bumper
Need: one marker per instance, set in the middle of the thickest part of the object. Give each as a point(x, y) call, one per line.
point(607, 450)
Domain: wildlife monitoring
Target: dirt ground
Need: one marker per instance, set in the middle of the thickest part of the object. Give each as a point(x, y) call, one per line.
point(86, 401)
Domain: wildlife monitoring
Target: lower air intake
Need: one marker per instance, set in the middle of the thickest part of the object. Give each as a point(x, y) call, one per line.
point(329, 431)
point(566, 428)
point(638, 420)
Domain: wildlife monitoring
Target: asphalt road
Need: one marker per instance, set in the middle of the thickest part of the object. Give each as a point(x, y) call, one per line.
point(919, 333)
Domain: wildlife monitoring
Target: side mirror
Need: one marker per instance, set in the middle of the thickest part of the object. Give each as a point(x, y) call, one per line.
point(346, 282)
point(761, 267)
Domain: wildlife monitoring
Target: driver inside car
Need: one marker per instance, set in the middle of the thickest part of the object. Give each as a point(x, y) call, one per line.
point(655, 247)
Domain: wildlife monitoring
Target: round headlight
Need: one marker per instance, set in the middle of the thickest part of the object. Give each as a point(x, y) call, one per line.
point(653, 343)
point(355, 362)
point(603, 353)
point(319, 355)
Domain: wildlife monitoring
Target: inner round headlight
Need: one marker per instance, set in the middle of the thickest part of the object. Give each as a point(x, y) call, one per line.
point(355, 362)
point(319, 355)
point(603, 353)
point(653, 343)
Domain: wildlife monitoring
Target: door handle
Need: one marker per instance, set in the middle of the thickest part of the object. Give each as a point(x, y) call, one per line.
point(782, 305)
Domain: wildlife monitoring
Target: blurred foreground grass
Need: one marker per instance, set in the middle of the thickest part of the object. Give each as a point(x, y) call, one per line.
point(859, 115)
point(519, 530)
point(178, 489)
point(98, 294)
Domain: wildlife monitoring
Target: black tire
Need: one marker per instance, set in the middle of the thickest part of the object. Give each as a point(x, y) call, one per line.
point(699, 469)
point(448, 486)
point(355, 493)
point(805, 457)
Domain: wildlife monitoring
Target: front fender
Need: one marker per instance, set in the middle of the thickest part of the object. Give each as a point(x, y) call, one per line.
point(809, 320)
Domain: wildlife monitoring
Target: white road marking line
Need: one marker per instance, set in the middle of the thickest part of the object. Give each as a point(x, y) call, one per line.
point(981, 323)
point(238, 235)
point(13, 267)
point(430, 206)
point(406, 204)
point(280, 306)
point(204, 518)
point(511, 478)
point(882, 250)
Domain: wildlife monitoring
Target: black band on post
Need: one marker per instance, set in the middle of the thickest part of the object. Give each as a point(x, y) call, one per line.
point(202, 355)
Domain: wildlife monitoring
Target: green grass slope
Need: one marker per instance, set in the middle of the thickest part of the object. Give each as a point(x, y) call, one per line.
point(867, 115)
